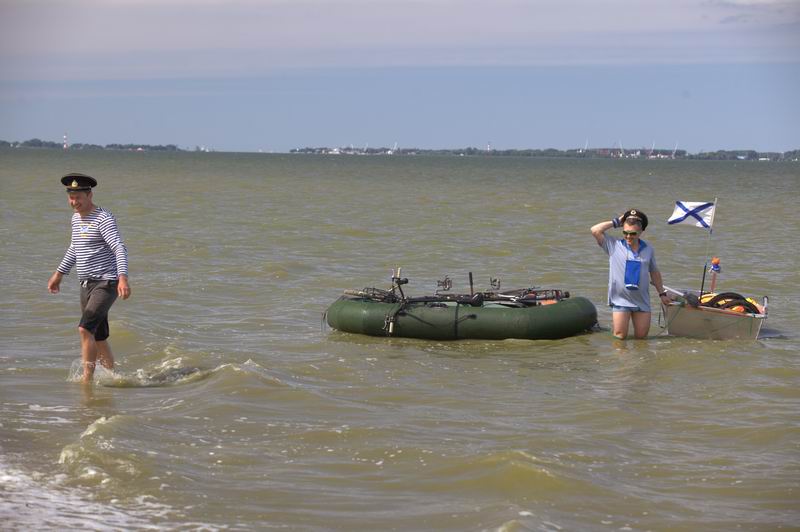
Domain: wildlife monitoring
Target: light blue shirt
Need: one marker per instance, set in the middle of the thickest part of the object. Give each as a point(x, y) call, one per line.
point(619, 252)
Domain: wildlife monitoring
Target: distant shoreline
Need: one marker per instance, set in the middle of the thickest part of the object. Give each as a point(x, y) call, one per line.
point(585, 153)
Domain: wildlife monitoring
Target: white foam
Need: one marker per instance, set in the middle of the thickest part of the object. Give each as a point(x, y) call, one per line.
point(95, 425)
point(39, 408)
point(29, 501)
point(101, 374)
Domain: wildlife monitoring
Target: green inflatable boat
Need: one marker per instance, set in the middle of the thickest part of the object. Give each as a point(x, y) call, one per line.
point(529, 313)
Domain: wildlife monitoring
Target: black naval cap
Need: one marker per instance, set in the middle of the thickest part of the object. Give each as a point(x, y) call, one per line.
point(76, 182)
point(634, 213)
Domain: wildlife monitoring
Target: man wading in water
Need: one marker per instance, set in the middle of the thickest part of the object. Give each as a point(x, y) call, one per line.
point(632, 268)
point(98, 252)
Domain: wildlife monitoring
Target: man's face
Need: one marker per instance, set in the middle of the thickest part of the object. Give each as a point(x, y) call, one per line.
point(81, 201)
point(631, 232)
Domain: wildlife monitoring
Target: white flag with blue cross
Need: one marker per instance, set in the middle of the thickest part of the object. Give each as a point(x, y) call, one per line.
point(699, 213)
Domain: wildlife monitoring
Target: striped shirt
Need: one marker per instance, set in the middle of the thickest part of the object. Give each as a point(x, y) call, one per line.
point(96, 247)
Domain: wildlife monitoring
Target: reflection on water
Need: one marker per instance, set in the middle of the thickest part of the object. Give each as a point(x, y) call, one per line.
point(95, 399)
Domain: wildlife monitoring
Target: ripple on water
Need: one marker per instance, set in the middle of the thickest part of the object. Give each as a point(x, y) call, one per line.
point(230, 406)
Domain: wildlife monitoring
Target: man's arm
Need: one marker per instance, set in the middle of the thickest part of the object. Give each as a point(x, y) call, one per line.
point(110, 232)
point(123, 288)
point(54, 284)
point(655, 278)
point(599, 230)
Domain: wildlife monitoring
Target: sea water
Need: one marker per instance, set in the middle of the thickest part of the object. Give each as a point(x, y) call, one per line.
point(232, 406)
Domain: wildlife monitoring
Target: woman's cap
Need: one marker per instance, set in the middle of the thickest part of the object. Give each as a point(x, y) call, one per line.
point(76, 182)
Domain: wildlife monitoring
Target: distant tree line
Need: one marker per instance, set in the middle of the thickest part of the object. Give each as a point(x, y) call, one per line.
point(644, 153)
point(605, 153)
point(38, 143)
point(746, 155)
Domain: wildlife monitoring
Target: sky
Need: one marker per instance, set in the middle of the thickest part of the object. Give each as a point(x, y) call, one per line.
point(272, 75)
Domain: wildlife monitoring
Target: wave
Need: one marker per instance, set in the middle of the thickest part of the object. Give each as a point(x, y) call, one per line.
point(161, 377)
point(167, 373)
point(171, 372)
point(32, 501)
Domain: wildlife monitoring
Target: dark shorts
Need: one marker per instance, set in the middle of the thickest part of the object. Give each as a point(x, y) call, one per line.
point(96, 300)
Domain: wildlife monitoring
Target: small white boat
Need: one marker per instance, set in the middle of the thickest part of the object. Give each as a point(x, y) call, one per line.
point(685, 317)
point(706, 314)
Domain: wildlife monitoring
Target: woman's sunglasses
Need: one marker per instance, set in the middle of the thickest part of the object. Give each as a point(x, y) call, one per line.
point(630, 233)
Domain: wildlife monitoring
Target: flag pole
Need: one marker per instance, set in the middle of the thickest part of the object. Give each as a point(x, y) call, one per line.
point(708, 243)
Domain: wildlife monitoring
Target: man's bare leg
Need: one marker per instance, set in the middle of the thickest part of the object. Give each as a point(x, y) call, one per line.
point(88, 354)
point(104, 354)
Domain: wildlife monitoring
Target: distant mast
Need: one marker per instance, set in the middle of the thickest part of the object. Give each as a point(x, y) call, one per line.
point(66, 144)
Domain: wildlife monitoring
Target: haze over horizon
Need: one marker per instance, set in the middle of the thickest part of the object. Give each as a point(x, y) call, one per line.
point(251, 75)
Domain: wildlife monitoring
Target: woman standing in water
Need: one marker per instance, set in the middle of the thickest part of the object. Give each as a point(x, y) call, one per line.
point(632, 267)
